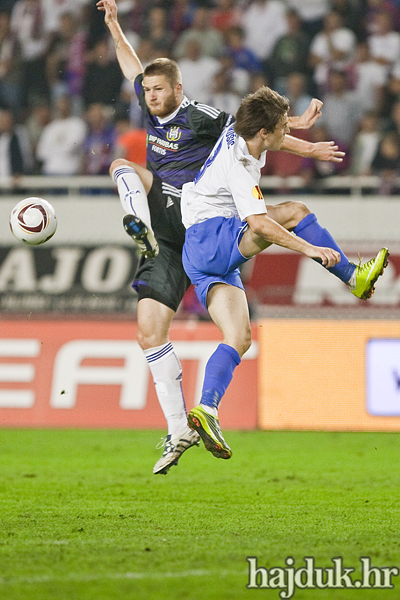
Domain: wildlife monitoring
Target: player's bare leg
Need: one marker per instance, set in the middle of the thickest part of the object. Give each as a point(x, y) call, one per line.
point(361, 278)
point(228, 309)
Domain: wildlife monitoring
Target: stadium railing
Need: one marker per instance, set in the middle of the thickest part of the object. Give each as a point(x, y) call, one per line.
point(346, 184)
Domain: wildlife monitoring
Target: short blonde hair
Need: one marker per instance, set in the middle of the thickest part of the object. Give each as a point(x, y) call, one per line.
point(164, 66)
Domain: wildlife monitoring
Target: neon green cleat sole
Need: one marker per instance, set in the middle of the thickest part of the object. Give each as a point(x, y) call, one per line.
point(368, 273)
point(207, 426)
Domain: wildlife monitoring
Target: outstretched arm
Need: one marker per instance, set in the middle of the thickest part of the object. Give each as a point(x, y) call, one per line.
point(309, 117)
point(326, 151)
point(127, 57)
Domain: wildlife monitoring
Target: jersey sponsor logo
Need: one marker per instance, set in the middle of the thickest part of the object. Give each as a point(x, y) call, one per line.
point(170, 202)
point(174, 134)
point(160, 143)
point(257, 193)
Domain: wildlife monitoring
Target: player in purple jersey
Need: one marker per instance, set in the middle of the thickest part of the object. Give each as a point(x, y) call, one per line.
point(181, 135)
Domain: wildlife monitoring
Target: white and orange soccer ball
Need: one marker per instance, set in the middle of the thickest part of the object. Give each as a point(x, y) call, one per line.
point(33, 221)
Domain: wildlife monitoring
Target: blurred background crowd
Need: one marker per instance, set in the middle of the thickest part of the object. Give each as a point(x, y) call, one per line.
point(66, 109)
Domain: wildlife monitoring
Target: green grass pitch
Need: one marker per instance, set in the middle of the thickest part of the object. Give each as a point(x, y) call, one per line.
point(83, 517)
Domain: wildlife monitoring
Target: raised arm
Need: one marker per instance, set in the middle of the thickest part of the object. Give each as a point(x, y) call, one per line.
point(127, 57)
point(326, 151)
point(309, 116)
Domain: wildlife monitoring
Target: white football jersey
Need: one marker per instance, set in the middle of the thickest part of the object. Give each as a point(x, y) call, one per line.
point(227, 185)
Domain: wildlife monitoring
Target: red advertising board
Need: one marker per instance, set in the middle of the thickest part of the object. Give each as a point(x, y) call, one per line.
point(93, 374)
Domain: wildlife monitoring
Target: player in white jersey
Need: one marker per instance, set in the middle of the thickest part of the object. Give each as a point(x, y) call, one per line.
point(227, 223)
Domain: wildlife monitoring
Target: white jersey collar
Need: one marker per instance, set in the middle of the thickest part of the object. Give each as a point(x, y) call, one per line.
point(260, 162)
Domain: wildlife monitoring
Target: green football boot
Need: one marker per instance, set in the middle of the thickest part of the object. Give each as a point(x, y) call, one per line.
point(207, 426)
point(366, 275)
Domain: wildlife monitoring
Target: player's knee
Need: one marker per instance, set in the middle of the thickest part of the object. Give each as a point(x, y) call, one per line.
point(117, 163)
point(300, 210)
point(149, 339)
point(244, 343)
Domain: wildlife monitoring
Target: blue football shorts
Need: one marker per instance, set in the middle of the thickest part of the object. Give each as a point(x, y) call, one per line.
point(211, 254)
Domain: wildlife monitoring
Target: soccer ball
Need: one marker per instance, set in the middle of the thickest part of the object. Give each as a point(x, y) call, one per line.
point(33, 221)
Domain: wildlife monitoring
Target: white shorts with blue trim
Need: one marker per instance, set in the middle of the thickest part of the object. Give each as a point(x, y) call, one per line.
point(211, 254)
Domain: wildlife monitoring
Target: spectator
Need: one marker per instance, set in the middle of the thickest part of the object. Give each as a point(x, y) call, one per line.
point(222, 94)
point(103, 79)
point(100, 142)
point(353, 14)
point(15, 152)
point(314, 170)
point(332, 48)
point(296, 91)
point(210, 39)
point(9, 66)
point(283, 164)
point(130, 142)
point(60, 146)
point(390, 92)
point(65, 59)
point(242, 57)
point(369, 79)
point(365, 145)
point(197, 72)
point(384, 43)
point(264, 23)
point(225, 15)
point(393, 124)
point(180, 16)
point(256, 81)
point(312, 14)
point(373, 7)
point(289, 55)
point(155, 31)
point(53, 11)
point(386, 163)
point(340, 114)
point(28, 25)
point(39, 118)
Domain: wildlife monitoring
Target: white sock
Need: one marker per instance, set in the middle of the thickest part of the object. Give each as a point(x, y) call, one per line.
point(132, 193)
point(352, 281)
point(210, 410)
point(167, 375)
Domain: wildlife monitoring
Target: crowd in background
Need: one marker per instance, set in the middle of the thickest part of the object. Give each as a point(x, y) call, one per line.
point(66, 109)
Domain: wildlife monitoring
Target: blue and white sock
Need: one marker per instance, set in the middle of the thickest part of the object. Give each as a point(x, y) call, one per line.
point(166, 370)
point(132, 194)
point(219, 373)
point(310, 230)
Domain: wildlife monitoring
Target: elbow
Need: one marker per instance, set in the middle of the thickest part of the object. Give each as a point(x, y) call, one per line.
point(256, 226)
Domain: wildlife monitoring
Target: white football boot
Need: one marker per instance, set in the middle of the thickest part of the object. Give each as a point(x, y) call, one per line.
point(175, 446)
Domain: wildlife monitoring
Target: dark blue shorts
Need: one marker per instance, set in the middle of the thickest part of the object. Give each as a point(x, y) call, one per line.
point(211, 254)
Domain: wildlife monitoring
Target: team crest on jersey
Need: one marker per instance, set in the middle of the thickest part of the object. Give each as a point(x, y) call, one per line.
point(173, 134)
point(257, 193)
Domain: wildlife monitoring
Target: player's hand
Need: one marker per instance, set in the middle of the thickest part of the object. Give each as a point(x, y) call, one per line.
point(328, 151)
point(110, 9)
point(327, 256)
point(309, 117)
